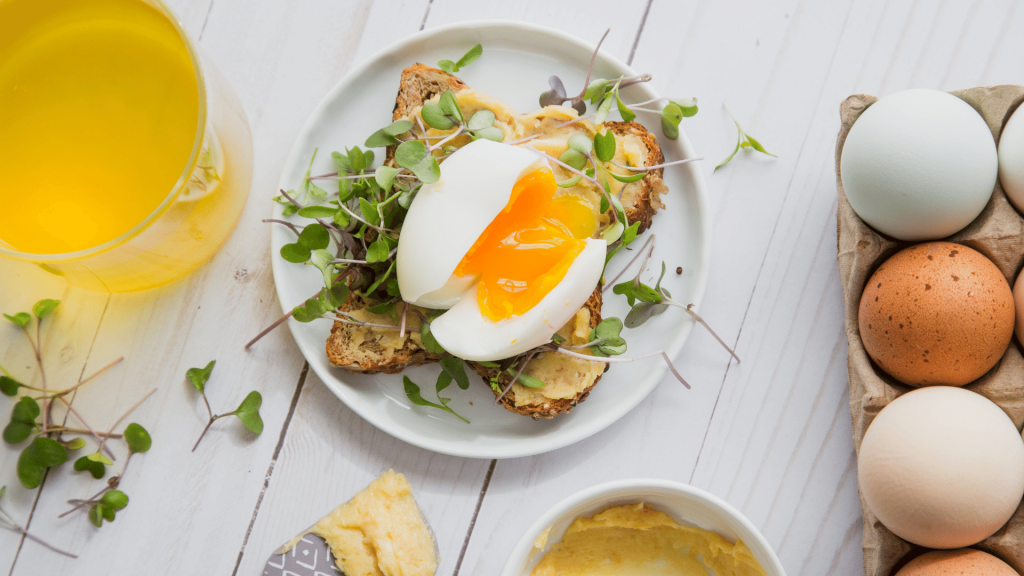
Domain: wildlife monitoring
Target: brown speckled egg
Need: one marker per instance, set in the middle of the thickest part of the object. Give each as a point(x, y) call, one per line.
point(936, 314)
point(963, 562)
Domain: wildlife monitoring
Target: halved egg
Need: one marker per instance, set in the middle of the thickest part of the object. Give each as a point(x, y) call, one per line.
point(494, 242)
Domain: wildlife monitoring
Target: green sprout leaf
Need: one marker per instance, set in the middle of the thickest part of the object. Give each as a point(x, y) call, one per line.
point(21, 318)
point(96, 514)
point(137, 438)
point(642, 312)
point(480, 120)
point(595, 90)
point(630, 233)
point(573, 158)
point(607, 332)
point(381, 278)
point(249, 412)
point(429, 342)
point(581, 144)
point(604, 146)
point(322, 259)
point(414, 156)
point(613, 232)
point(44, 307)
point(455, 368)
point(115, 499)
point(369, 211)
point(492, 133)
point(378, 251)
point(85, 464)
point(447, 65)
point(385, 177)
point(450, 106)
point(75, 444)
point(688, 106)
point(603, 109)
point(469, 57)
point(413, 392)
point(312, 237)
point(41, 454)
point(199, 376)
point(9, 386)
point(435, 117)
point(634, 290)
point(743, 140)
point(23, 420)
point(627, 114)
point(317, 212)
point(308, 311)
point(570, 182)
point(98, 457)
point(388, 136)
point(627, 179)
point(671, 116)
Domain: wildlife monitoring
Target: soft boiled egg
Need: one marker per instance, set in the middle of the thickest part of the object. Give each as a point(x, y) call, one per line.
point(495, 243)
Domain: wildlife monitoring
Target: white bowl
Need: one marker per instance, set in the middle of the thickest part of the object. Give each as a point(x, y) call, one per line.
point(685, 504)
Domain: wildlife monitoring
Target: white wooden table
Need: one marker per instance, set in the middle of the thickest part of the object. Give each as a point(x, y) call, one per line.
point(771, 435)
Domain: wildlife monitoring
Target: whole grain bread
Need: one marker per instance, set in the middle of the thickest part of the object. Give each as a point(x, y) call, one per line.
point(554, 406)
point(358, 348)
point(367, 350)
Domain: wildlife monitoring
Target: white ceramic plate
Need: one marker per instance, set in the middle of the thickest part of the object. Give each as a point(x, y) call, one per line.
point(685, 504)
point(516, 62)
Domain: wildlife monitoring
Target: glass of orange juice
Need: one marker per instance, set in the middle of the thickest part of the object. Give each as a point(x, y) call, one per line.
point(125, 158)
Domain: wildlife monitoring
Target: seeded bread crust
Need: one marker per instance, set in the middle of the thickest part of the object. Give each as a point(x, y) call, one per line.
point(648, 198)
point(419, 83)
point(369, 357)
point(553, 407)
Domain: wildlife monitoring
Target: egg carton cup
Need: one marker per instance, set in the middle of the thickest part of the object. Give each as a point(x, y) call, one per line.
point(998, 233)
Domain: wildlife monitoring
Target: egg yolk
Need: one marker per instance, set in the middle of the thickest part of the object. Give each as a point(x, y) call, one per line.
point(527, 249)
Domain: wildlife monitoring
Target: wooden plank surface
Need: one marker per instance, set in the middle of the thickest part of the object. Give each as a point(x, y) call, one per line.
point(770, 435)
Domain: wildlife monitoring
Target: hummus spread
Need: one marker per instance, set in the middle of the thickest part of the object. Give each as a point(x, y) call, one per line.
point(635, 539)
point(379, 532)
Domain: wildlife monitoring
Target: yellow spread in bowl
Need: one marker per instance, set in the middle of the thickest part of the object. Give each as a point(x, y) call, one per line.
point(636, 539)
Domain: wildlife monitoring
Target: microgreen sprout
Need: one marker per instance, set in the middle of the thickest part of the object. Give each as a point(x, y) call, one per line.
point(743, 140)
point(467, 59)
point(451, 369)
point(248, 411)
point(6, 521)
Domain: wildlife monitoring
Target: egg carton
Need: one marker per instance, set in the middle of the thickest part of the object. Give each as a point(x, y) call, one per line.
point(998, 233)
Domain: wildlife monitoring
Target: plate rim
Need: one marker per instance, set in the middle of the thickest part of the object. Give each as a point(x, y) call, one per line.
point(654, 376)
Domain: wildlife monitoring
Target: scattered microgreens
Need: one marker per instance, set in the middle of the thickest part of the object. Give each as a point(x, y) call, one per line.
point(646, 302)
point(32, 416)
point(743, 140)
point(8, 522)
point(467, 59)
point(444, 379)
point(248, 411)
point(352, 238)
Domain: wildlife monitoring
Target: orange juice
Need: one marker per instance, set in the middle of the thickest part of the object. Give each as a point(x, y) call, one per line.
point(99, 111)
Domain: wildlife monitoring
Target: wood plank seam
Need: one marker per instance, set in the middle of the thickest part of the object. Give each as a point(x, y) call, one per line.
point(426, 15)
point(771, 238)
point(639, 32)
point(205, 20)
point(273, 461)
point(476, 512)
point(64, 422)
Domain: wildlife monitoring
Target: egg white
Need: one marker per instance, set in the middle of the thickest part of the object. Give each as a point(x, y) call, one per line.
point(447, 217)
point(465, 332)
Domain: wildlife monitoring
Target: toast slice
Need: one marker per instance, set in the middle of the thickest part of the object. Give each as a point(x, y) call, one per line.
point(568, 380)
point(371, 350)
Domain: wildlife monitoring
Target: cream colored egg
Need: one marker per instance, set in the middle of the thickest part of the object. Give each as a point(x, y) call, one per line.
point(919, 165)
point(942, 467)
point(1011, 158)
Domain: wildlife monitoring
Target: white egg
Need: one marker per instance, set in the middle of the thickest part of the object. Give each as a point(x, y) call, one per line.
point(1011, 159)
point(942, 467)
point(919, 165)
point(447, 217)
point(465, 332)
